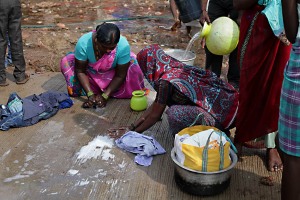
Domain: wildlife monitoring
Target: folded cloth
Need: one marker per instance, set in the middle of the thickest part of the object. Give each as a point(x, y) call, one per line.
point(144, 146)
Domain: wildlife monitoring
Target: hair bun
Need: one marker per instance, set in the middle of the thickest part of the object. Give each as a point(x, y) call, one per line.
point(97, 28)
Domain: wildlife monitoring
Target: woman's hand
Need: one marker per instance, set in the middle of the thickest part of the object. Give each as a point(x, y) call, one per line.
point(100, 101)
point(204, 17)
point(91, 102)
point(95, 100)
point(118, 132)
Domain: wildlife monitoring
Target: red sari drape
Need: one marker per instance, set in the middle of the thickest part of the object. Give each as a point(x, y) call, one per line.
point(262, 58)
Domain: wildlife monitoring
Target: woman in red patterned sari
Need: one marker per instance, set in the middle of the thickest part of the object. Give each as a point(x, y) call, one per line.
point(193, 95)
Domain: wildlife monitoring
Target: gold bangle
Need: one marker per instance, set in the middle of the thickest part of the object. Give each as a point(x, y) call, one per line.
point(105, 96)
point(90, 93)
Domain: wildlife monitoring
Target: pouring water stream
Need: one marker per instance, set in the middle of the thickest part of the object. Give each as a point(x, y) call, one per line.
point(190, 44)
point(204, 30)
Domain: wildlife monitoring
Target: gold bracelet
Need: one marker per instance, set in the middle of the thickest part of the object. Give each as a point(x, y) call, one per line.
point(105, 96)
point(90, 93)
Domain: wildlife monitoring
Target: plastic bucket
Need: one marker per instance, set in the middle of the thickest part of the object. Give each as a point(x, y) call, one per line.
point(178, 53)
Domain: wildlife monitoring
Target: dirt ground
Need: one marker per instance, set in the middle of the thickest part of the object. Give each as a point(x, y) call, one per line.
point(52, 28)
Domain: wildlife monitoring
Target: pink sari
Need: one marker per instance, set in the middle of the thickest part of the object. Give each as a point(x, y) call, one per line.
point(101, 74)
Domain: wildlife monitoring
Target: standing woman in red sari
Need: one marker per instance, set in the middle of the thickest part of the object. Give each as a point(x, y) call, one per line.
point(262, 57)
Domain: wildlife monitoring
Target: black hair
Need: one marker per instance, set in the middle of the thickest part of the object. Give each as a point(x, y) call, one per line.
point(108, 33)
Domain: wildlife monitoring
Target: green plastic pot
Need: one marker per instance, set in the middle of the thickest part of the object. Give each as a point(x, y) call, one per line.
point(138, 100)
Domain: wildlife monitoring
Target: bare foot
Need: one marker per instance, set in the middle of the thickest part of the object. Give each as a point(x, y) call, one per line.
point(274, 162)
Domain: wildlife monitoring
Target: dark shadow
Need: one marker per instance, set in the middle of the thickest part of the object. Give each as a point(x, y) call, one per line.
point(57, 83)
point(260, 152)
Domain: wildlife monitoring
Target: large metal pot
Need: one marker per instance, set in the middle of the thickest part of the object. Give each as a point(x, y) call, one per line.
point(202, 183)
point(189, 56)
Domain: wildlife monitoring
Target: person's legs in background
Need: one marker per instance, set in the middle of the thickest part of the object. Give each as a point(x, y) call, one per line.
point(218, 9)
point(175, 13)
point(3, 40)
point(290, 174)
point(290, 177)
point(8, 60)
point(213, 62)
point(233, 74)
point(15, 38)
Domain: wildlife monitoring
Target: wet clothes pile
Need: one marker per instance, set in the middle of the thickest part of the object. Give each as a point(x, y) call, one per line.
point(32, 109)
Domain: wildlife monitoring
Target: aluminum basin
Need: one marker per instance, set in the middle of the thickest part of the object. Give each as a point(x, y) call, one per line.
point(202, 183)
point(178, 54)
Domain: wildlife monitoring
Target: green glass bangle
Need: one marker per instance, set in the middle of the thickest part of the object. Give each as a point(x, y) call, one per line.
point(90, 93)
point(105, 96)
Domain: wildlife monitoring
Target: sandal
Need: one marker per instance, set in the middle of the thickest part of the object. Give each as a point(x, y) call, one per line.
point(27, 76)
point(176, 25)
point(4, 83)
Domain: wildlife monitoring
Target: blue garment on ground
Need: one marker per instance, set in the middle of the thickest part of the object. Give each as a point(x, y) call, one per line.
point(144, 146)
point(30, 110)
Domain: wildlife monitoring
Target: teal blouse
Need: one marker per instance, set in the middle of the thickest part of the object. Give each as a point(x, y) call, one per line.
point(84, 50)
